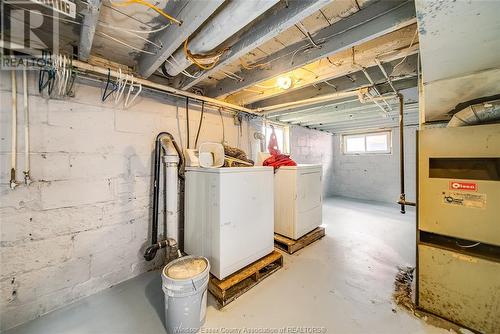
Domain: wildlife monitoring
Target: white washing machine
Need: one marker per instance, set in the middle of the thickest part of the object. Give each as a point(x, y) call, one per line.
point(297, 200)
point(229, 215)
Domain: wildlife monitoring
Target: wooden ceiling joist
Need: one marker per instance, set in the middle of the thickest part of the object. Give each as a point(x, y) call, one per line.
point(193, 14)
point(266, 29)
point(371, 22)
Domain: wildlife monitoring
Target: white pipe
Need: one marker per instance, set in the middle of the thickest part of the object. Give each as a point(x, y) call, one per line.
point(258, 111)
point(231, 19)
point(13, 182)
point(27, 179)
point(171, 160)
point(146, 83)
point(374, 87)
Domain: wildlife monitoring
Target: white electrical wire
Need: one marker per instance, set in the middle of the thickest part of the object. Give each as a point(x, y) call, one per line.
point(124, 43)
point(232, 75)
point(185, 72)
point(468, 246)
point(407, 53)
point(329, 84)
point(128, 31)
point(113, 8)
point(133, 30)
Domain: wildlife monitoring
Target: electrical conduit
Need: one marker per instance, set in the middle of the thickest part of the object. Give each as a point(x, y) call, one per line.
point(13, 182)
point(27, 178)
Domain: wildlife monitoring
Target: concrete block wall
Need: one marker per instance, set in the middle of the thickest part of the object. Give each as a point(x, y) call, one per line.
point(375, 177)
point(314, 147)
point(84, 223)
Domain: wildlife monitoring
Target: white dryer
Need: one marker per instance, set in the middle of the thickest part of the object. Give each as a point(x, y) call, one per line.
point(297, 200)
point(229, 215)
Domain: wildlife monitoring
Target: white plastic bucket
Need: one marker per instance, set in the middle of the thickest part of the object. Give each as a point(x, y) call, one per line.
point(185, 282)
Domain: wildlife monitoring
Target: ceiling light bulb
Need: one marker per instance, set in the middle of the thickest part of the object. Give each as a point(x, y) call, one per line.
point(284, 82)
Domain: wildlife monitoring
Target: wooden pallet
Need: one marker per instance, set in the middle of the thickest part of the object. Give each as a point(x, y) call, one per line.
point(233, 286)
point(291, 246)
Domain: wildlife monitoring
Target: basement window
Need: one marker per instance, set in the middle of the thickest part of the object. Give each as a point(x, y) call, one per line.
point(282, 134)
point(367, 143)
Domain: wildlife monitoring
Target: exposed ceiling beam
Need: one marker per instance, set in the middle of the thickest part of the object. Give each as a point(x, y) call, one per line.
point(406, 85)
point(328, 110)
point(367, 110)
point(227, 22)
point(386, 48)
point(193, 14)
point(312, 107)
point(371, 121)
point(364, 110)
point(351, 81)
point(369, 125)
point(89, 23)
point(370, 112)
point(371, 22)
point(343, 109)
point(282, 18)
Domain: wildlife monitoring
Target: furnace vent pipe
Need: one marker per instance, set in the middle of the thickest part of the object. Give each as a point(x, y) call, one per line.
point(166, 146)
point(171, 160)
point(474, 114)
point(231, 19)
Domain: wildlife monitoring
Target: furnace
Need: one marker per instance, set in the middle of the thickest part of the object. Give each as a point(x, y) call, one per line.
point(458, 241)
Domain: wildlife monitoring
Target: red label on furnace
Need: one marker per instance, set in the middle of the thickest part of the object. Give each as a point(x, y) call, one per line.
point(455, 185)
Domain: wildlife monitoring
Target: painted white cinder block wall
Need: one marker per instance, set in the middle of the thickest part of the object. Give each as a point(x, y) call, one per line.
point(84, 223)
point(314, 147)
point(375, 177)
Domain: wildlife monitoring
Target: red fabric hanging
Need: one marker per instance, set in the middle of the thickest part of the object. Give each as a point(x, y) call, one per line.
point(272, 147)
point(276, 159)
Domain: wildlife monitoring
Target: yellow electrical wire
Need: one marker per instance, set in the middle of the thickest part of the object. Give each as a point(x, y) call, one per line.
point(142, 2)
point(196, 57)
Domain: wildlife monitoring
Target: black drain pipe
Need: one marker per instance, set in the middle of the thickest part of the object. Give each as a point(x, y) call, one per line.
point(150, 252)
point(402, 197)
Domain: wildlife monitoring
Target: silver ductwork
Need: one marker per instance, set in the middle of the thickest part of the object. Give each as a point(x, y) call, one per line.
point(486, 112)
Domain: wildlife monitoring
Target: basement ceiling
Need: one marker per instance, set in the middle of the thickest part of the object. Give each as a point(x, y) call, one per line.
point(458, 64)
point(322, 46)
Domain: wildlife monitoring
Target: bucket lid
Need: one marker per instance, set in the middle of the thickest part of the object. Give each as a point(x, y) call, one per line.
point(185, 268)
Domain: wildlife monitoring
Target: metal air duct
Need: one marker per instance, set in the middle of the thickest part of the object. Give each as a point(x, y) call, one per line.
point(474, 114)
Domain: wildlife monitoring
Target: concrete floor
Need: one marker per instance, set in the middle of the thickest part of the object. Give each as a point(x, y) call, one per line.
point(342, 283)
